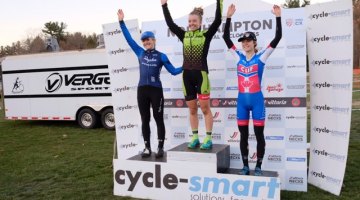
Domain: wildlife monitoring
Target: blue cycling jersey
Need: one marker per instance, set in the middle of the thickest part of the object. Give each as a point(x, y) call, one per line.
point(150, 61)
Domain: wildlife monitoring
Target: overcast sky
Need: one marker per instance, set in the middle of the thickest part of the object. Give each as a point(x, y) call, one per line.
point(23, 18)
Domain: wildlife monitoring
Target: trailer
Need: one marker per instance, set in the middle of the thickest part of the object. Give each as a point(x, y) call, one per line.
point(71, 85)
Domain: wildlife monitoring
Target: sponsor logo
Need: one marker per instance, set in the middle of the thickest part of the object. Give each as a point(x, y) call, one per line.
point(325, 84)
point(235, 156)
point(167, 89)
point(295, 46)
point(234, 138)
point(335, 38)
point(168, 102)
point(323, 14)
point(217, 51)
point(216, 136)
point(177, 89)
point(167, 181)
point(295, 102)
point(232, 117)
point(332, 156)
point(272, 137)
point(275, 102)
point(18, 87)
point(294, 22)
point(77, 82)
point(274, 117)
point(232, 88)
point(295, 87)
point(274, 158)
point(126, 146)
point(115, 32)
point(296, 180)
point(295, 159)
point(118, 51)
point(215, 102)
point(325, 130)
point(275, 88)
point(123, 89)
point(179, 135)
point(296, 66)
point(229, 103)
point(342, 110)
point(127, 107)
point(200, 117)
point(231, 69)
point(253, 158)
point(332, 180)
point(123, 69)
point(296, 138)
point(292, 117)
point(166, 116)
point(127, 126)
point(274, 67)
point(331, 62)
point(179, 103)
point(179, 117)
point(216, 117)
point(217, 88)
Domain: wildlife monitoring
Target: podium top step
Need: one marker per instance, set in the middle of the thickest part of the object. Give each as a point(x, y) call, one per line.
point(265, 173)
point(215, 149)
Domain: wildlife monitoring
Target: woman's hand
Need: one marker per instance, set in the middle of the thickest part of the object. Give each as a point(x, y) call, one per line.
point(231, 11)
point(120, 14)
point(276, 10)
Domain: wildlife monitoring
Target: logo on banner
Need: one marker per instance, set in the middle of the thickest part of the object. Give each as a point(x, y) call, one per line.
point(168, 102)
point(273, 137)
point(232, 88)
point(334, 109)
point(323, 14)
point(275, 88)
point(296, 138)
point(296, 180)
point(274, 67)
point(295, 159)
point(128, 126)
point(127, 146)
point(179, 103)
point(216, 117)
point(229, 103)
point(294, 22)
point(127, 107)
point(292, 117)
point(167, 181)
point(179, 135)
point(114, 32)
point(295, 102)
point(318, 63)
point(123, 69)
point(235, 156)
point(275, 158)
point(253, 158)
point(232, 117)
point(179, 116)
point(296, 46)
point(333, 156)
point(216, 136)
point(215, 102)
point(18, 87)
point(124, 89)
point(118, 51)
point(335, 38)
point(296, 66)
point(274, 117)
point(77, 82)
point(337, 86)
point(295, 87)
point(325, 130)
point(329, 179)
point(234, 138)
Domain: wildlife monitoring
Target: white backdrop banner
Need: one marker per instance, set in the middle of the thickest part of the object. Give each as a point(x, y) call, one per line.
point(284, 87)
point(330, 49)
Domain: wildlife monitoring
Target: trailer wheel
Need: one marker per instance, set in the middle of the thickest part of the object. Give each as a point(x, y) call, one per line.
point(87, 118)
point(108, 119)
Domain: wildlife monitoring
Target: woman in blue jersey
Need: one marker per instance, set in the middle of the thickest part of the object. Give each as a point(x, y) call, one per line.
point(150, 91)
point(250, 69)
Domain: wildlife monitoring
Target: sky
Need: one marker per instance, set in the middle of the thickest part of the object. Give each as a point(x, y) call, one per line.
point(20, 19)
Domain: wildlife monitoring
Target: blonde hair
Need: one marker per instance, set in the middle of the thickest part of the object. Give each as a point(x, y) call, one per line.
point(198, 11)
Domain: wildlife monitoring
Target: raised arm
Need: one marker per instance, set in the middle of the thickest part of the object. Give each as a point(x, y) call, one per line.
point(278, 34)
point(217, 21)
point(169, 67)
point(134, 46)
point(170, 22)
point(226, 36)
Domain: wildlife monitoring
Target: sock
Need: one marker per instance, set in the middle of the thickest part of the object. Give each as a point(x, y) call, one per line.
point(208, 136)
point(147, 145)
point(195, 134)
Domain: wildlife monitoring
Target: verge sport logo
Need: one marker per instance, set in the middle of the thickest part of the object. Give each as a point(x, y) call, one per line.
point(53, 82)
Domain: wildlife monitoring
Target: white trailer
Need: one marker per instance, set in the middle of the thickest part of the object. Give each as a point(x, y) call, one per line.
point(73, 85)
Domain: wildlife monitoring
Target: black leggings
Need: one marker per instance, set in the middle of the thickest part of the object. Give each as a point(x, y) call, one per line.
point(146, 96)
point(244, 136)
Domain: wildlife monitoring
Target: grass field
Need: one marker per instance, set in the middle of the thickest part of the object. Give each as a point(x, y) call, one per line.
point(59, 160)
